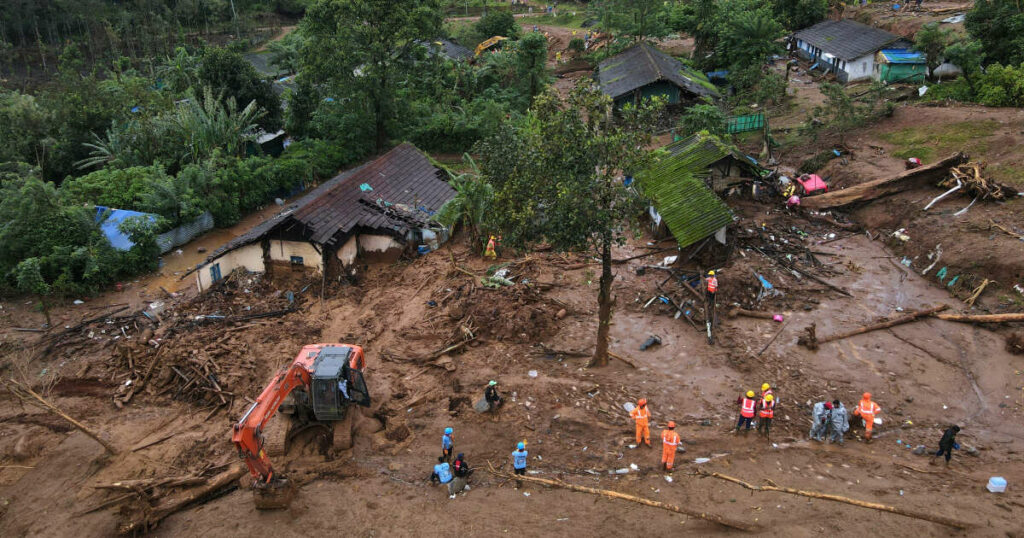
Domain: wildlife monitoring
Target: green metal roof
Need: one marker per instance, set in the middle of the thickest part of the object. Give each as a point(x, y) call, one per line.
point(676, 186)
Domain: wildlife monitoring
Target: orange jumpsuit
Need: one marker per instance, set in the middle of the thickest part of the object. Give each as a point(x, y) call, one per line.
point(669, 442)
point(867, 411)
point(642, 415)
point(489, 251)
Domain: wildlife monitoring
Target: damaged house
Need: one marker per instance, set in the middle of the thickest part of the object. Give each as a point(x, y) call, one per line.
point(678, 187)
point(643, 71)
point(846, 47)
point(372, 213)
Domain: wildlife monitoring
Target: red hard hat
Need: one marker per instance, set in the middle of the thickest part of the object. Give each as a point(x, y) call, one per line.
point(671, 424)
point(867, 395)
point(642, 402)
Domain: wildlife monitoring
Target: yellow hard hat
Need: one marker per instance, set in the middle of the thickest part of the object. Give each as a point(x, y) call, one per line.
point(711, 273)
point(750, 394)
point(769, 398)
point(765, 386)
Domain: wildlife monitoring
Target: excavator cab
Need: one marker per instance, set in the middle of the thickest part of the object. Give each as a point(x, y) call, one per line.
point(335, 384)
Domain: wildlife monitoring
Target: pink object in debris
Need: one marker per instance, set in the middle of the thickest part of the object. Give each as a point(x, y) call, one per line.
point(793, 201)
point(777, 317)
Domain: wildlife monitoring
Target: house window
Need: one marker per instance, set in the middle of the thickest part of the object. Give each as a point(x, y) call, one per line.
point(215, 272)
point(296, 260)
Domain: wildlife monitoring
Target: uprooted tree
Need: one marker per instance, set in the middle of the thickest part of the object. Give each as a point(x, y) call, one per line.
point(557, 176)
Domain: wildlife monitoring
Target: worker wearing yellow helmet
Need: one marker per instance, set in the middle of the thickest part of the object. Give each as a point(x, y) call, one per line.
point(747, 404)
point(711, 287)
point(766, 389)
point(765, 413)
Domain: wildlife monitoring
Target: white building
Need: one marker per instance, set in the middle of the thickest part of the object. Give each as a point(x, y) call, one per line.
point(846, 47)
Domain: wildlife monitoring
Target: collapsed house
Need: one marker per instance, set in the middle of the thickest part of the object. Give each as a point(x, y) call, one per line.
point(372, 213)
point(677, 186)
point(643, 71)
point(846, 47)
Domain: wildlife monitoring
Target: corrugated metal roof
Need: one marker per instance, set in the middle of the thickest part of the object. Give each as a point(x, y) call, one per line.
point(846, 39)
point(902, 56)
point(675, 185)
point(406, 189)
point(643, 64)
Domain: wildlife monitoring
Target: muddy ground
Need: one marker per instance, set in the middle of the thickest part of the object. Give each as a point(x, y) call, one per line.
point(924, 375)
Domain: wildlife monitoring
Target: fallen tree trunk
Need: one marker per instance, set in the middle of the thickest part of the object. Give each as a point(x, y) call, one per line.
point(884, 187)
point(981, 318)
point(707, 516)
point(884, 325)
point(146, 521)
point(749, 313)
point(942, 520)
point(26, 394)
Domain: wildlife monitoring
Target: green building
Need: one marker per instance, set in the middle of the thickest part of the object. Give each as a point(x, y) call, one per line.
point(900, 65)
point(642, 71)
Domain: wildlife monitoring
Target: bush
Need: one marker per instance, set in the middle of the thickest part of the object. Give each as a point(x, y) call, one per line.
point(705, 117)
point(111, 187)
point(496, 23)
point(1002, 86)
point(576, 44)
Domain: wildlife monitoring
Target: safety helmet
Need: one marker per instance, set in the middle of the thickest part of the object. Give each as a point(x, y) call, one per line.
point(642, 402)
point(828, 405)
point(448, 431)
point(765, 386)
point(711, 273)
point(750, 394)
point(671, 424)
point(492, 383)
point(769, 398)
point(521, 445)
point(867, 395)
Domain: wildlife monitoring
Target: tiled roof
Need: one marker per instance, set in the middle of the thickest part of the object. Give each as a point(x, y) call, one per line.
point(846, 39)
point(406, 189)
point(689, 208)
point(643, 64)
point(448, 48)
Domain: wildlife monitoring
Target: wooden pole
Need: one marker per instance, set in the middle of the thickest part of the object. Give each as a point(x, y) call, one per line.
point(145, 521)
point(884, 325)
point(26, 393)
point(982, 318)
point(839, 498)
point(749, 313)
point(707, 516)
point(765, 348)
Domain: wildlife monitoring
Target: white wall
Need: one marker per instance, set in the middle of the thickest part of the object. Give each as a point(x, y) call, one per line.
point(378, 243)
point(282, 251)
point(347, 253)
point(861, 68)
point(250, 257)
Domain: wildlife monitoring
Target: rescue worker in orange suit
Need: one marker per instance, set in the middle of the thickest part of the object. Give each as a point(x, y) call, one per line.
point(642, 415)
point(766, 413)
point(711, 287)
point(867, 410)
point(747, 404)
point(669, 443)
point(489, 251)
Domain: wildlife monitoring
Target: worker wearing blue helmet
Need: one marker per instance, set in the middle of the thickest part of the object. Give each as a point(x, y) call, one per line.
point(519, 461)
point(447, 444)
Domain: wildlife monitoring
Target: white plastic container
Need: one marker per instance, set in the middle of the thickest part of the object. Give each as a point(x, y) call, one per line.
point(996, 484)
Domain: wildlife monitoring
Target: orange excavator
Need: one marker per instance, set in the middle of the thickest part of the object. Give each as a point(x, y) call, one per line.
point(315, 391)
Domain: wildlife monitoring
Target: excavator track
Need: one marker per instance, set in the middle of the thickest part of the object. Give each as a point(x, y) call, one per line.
point(275, 436)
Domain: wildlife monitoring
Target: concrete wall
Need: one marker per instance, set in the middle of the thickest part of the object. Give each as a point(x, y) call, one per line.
point(282, 251)
point(861, 68)
point(379, 248)
point(250, 257)
point(348, 252)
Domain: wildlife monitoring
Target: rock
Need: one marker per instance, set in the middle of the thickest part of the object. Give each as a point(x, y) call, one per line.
point(201, 250)
point(919, 451)
point(970, 450)
point(561, 314)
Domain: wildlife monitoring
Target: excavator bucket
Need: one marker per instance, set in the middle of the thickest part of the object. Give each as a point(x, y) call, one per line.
point(276, 495)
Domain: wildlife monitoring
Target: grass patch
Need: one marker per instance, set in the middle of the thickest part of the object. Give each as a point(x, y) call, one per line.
point(927, 142)
point(1007, 173)
point(564, 19)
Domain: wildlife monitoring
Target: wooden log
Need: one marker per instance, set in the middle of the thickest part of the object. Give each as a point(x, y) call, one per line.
point(766, 346)
point(749, 313)
point(644, 255)
point(982, 318)
point(878, 188)
point(942, 520)
point(25, 393)
point(817, 279)
point(913, 316)
point(707, 516)
point(621, 358)
point(146, 521)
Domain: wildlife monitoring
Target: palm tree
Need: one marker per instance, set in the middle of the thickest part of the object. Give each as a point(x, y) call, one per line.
point(209, 124)
point(471, 203)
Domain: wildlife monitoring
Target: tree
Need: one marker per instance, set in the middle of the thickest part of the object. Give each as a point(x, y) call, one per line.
point(471, 204)
point(698, 19)
point(931, 41)
point(227, 73)
point(796, 14)
point(495, 23)
point(361, 49)
point(640, 19)
point(967, 56)
point(557, 176)
point(531, 58)
point(999, 26)
point(212, 123)
point(703, 117)
point(30, 280)
point(749, 38)
point(284, 53)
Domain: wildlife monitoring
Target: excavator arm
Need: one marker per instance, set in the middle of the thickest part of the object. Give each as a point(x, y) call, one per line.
point(247, 434)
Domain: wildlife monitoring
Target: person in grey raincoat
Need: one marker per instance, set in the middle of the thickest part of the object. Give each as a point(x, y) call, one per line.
point(820, 415)
point(839, 422)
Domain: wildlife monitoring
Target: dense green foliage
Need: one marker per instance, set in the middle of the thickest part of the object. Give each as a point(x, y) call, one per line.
point(703, 117)
point(637, 19)
point(999, 26)
point(229, 74)
point(932, 40)
point(497, 23)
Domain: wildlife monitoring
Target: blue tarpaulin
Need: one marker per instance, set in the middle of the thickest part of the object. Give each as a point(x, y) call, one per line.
point(110, 226)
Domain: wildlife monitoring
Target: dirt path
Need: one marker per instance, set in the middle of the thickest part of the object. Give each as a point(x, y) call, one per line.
point(285, 30)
